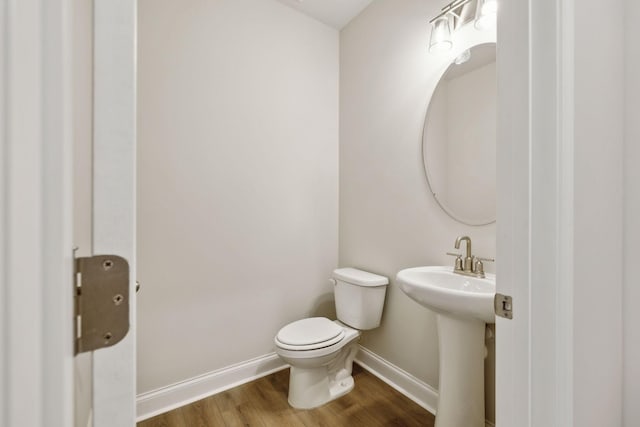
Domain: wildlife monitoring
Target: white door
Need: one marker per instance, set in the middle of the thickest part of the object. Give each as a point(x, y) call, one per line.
point(36, 163)
point(513, 346)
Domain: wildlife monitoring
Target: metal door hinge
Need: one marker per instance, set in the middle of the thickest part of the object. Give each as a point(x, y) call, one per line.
point(101, 301)
point(503, 305)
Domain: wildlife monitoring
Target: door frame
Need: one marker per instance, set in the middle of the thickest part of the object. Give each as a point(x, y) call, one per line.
point(36, 296)
point(36, 208)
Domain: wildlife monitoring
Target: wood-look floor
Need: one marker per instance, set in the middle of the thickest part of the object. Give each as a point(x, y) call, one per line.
point(263, 403)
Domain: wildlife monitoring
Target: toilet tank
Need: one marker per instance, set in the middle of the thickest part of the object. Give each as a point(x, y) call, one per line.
point(359, 297)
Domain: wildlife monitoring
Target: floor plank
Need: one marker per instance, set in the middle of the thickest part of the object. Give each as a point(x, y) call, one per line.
point(263, 403)
point(203, 413)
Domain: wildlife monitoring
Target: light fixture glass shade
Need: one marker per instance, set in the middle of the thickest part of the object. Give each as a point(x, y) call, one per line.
point(440, 35)
point(486, 14)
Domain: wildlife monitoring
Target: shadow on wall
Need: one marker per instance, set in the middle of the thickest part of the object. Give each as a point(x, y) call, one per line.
point(490, 373)
point(324, 306)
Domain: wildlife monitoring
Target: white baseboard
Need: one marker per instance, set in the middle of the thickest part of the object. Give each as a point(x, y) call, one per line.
point(176, 395)
point(417, 390)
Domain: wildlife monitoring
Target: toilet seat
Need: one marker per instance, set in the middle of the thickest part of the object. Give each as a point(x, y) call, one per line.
point(309, 334)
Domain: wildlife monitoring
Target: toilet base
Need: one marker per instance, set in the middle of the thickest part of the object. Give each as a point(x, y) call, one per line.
point(342, 387)
point(310, 388)
point(313, 387)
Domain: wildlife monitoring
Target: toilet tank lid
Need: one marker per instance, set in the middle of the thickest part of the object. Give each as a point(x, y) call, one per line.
point(359, 277)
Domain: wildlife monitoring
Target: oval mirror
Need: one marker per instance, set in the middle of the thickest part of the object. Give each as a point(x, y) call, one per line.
point(459, 139)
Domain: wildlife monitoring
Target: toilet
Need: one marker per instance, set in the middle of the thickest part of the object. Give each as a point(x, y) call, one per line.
point(321, 351)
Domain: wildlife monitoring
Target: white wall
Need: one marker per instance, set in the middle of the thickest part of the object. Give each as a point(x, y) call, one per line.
point(237, 180)
point(631, 238)
point(388, 218)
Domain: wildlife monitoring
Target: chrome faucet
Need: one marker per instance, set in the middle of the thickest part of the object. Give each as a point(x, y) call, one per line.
point(471, 265)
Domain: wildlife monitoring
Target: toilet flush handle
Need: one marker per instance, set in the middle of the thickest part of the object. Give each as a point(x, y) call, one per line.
point(333, 282)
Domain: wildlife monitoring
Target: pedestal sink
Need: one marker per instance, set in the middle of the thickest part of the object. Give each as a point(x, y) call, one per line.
point(464, 305)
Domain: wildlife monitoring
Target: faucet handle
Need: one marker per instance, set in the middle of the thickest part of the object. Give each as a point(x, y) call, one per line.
point(478, 266)
point(458, 264)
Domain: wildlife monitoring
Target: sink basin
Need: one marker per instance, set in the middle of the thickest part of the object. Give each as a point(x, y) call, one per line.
point(439, 289)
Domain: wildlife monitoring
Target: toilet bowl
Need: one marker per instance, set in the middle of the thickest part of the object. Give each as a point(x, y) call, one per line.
point(321, 367)
point(321, 351)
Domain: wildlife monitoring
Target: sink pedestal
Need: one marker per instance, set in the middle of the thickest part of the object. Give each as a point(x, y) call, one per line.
point(461, 390)
point(464, 305)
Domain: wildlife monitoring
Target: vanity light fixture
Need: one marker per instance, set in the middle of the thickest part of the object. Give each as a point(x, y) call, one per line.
point(486, 14)
point(455, 15)
point(441, 35)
